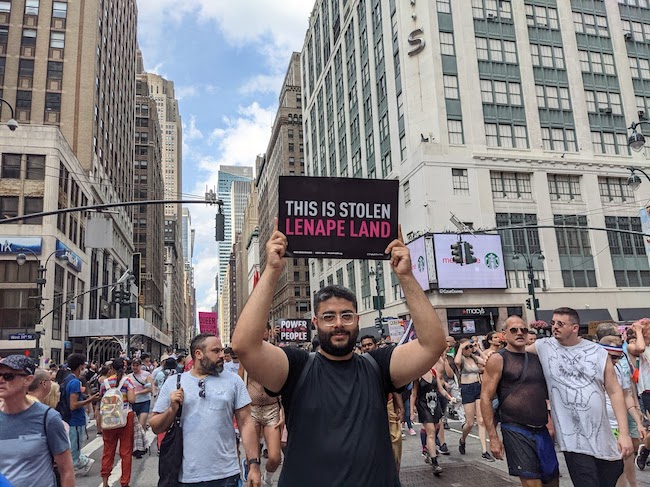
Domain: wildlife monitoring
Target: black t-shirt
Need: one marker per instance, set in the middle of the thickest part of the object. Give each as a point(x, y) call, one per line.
point(338, 423)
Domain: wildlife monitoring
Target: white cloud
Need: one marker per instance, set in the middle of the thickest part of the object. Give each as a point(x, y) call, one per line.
point(191, 132)
point(262, 83)
point(184, 92)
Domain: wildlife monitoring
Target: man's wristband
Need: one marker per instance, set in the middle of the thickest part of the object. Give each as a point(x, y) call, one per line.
point(253, 461)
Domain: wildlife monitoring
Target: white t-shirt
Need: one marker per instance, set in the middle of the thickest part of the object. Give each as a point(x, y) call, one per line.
point(575, 377)
point(613, 422)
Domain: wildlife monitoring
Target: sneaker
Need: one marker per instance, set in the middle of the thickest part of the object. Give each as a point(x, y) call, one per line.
point(642, 457)
point(444, 450)
point(412, 432)
point(437, 469)
point(461, 447)
point(403, 435)
point(85, 470)
point(427, 458)
point(244, 469)
point(487, 456)
point(446, 426)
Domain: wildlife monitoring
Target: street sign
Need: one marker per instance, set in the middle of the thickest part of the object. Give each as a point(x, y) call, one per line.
point(21, 336)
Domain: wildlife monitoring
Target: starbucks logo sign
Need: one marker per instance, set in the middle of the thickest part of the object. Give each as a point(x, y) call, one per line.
point(492, 261)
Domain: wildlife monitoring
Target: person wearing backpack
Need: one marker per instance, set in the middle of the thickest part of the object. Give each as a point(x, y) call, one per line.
point(117, 394)
point(32, 437)
point(76, 403)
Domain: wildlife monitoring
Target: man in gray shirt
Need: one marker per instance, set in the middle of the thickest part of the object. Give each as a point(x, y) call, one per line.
point(32, 435)
point(210, 396)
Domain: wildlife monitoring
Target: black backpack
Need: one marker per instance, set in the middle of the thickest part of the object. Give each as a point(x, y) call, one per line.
point(63, 406)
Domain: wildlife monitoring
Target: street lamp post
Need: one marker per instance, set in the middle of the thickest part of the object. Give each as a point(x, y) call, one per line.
point(378, 301)
point(11, 123)
point(40, 284)
point(636, 140)
point(634, 181)
point(534, 305)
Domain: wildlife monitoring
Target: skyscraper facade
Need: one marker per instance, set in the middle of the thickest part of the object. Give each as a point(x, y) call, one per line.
point(486, 116)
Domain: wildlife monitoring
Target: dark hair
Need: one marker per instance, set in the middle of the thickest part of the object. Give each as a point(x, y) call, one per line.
point(228, 350)
point(76, 360)
point(199, 342)
point(570, 312)
point(532, 331)
point(61, 374)
point(334, 291)
point(366, 337)
point(170, 363)
point(145, 356)
point(488, 337)
point(118, 365)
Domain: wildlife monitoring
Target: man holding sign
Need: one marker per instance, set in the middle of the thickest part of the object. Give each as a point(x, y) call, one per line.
point(335, 400)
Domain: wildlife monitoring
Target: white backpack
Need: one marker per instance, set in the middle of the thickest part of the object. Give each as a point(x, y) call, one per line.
point(113, 410)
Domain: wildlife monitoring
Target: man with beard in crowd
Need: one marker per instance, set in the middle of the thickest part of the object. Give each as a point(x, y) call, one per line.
point(335, 400)
point(209, 396)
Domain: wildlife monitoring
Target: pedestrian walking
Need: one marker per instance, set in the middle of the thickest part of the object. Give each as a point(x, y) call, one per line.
point(578, 374)
point(143, 383)
point(335, 400)
point(33, 440)
point(210, 396)
point(517, 379)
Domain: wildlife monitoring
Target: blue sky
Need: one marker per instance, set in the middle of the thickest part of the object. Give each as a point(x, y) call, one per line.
point(228, 60)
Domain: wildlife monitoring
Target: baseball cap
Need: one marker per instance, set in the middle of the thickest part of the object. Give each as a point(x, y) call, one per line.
point(19, 362)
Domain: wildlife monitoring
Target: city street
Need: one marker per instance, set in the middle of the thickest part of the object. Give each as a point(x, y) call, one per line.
point(459, 470)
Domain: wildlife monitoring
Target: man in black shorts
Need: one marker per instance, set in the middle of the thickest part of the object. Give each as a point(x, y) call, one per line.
point(335, 400)
point(517, 378)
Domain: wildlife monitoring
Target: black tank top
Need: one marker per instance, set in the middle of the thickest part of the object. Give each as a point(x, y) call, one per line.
point(525, 403)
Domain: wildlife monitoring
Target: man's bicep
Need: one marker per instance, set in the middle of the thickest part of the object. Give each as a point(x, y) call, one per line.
point(163, 401)
point(410, 362)
point(269, 367)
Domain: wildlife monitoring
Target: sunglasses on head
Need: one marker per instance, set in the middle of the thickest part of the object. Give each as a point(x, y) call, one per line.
point(9, 376)
point(202, 388)
point(515, 330)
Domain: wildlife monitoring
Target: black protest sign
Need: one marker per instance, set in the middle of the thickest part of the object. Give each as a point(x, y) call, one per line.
point(343, 218)
point(293, 330)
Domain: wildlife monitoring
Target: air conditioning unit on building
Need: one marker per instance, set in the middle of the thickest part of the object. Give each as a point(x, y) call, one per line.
point(628, 36)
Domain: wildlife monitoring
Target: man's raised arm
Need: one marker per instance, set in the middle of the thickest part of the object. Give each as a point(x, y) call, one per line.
point(412, 360)
point(267, 364)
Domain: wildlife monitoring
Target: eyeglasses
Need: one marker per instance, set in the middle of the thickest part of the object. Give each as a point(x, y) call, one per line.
point(560, 324)
point(514, 330)
point(202, 388)
point(9, 376)
point(347, 318)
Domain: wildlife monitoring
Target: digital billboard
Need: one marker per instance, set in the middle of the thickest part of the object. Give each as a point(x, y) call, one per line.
point(422, 261)
point(487, 273)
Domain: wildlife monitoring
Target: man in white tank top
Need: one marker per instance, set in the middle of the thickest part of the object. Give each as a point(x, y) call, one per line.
point(578, 373)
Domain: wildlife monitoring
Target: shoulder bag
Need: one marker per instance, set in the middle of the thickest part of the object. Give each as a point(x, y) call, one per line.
point(171, 450)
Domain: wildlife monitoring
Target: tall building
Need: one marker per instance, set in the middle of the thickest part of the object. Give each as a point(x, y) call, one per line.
point(247, 266)
point(162, 91)
point(226, 176)
point(188, 254)
point(284, 157)
point(390, 92)
point(72, 66)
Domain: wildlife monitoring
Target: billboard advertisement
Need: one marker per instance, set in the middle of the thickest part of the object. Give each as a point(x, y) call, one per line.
point(644, 214)
point(343, 218)
point(17, 245)
point(422, 261)
point(208, 323)
point(487, 273)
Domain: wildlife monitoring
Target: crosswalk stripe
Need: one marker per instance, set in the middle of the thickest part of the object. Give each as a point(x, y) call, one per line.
point(114, 478)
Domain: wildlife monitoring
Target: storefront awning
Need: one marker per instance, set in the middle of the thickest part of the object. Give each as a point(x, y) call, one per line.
point(116, 327)
point(633, 314)
point(586, 315)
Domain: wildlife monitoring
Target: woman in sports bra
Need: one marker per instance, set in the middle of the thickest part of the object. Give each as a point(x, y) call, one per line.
point(424, 398)
point(470, 361)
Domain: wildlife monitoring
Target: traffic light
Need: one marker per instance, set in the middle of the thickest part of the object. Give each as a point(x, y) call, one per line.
point(529, 303)
point(219, 229)
point(457, 253)
point(469, 254)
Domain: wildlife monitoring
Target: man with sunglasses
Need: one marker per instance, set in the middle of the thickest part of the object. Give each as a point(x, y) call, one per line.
point(32, 435)
point(210, 396)
point(578, 375)
point(334, 399)
point(517, 379)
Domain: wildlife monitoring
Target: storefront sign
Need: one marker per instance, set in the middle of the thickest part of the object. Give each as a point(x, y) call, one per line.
point(296, 331)
point(21, 336)
point(343, 218)
point(74, 261)
point(17, 245)
point(474, 311)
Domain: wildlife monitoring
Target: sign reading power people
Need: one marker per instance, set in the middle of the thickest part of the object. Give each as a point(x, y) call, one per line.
point(343, 218)
point(293, 330)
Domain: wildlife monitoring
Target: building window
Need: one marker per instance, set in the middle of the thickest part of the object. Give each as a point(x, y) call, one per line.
point(57, 40)
point(455, 129)
point(501, 92)
point(503, 135)
point(496, 50)
point(24, 100)
point(545, 17)
point(595, 25)
point(447, 43)
point(596, 62)
point(29, 37)
point(615, 190)
point(33, 205)
point(519, 240)
point(640, 32)
point(26, 68)
point(352, 282)
point(553, 97)
point(629, 257)
point(559, 139)
point(460, 181)
point(547, 56)
point(609, 143)
point(574, 247)
point(53, 103)
point(512, 185)
point(604, 102)
point(451, 86)
point(640, 68)
point(35, 167)
point(59, 10)
point(8, 206)
point(406, 188)
point(443, 6)
point(563, 187)
point(31, 7)
point(5, 7)
point(492, 9)
point(55, 70)
point(10, 166)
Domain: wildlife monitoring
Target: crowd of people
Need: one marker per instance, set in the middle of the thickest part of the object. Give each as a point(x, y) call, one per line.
point(335, 413)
